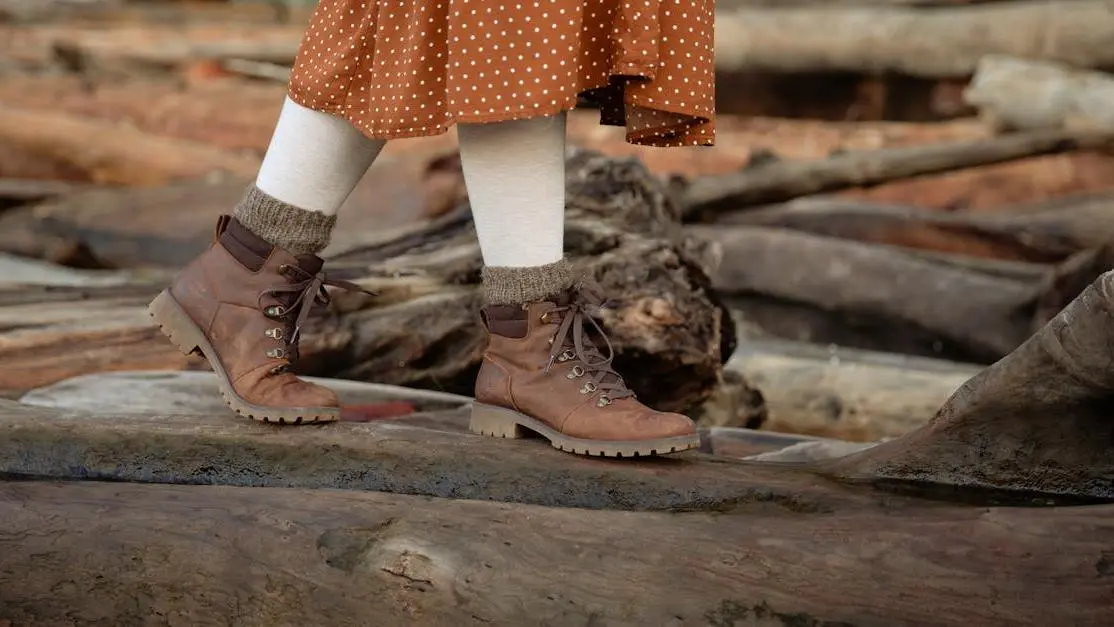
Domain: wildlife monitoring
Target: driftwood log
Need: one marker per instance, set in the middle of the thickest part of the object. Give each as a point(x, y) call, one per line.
point(776, 181)
point(121, 554)
point(1039, 420)
point(1029, 94)
point(844, 393)
point(829, 290)
point(934, 43)
point(115, 154)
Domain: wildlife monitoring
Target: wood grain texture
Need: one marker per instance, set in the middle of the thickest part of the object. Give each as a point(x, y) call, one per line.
point(383, 456)
point(119, 554)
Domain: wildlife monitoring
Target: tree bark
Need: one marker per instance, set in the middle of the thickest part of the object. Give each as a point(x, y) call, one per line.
point(99, 553)
point(935, 43)
point(1029, 94)
point(784, 180)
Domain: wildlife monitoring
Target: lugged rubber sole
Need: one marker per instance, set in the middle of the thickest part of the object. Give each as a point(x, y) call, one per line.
point(181, 330)
point(500, 422)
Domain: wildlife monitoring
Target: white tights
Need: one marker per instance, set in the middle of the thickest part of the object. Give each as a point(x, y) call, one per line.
point(515, 173)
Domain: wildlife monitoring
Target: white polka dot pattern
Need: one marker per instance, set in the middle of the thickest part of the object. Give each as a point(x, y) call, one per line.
point(404, 68)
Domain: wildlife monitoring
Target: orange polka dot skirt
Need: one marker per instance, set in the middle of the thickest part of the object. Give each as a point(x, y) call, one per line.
point(405, 68)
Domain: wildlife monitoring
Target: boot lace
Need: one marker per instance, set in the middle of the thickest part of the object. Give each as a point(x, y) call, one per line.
point(574, 342)
point(296, 300)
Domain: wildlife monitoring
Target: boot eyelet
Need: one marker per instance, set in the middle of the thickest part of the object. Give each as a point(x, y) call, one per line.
point(565, 356)
point(603, 402)
point(552, 340)
point(275, 333)
point(274, 311)
point(576, 372)
point(588, 388)
point(278, 369)
point(276, 353)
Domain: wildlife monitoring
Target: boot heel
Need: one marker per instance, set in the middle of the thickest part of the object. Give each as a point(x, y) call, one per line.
point(176, 325)
point(495, 421)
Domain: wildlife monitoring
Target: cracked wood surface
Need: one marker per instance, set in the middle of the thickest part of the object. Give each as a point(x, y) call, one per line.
point(120, 554)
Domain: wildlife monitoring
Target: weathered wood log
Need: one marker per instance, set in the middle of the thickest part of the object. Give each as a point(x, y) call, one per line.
point(168, 225)
point(1039, 419)
point(162, 226)
point(1029, 94)
point(828, 290)
point(117, 154)
point(105, 13)
point(733, 4)
point(935, 43)
point(20, 271)
point(197, 393)
point(15, 192)
point(845, 394)
point(129, 48)
point(386, 455)
point(1040, 232)
point(97, 552)
point(784, 180)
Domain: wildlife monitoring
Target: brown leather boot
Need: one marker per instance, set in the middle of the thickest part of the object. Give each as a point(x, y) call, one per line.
point(543, 371)
point(242, 304)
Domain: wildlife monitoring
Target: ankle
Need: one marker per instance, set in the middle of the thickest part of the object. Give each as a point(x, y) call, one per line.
point(296, 230)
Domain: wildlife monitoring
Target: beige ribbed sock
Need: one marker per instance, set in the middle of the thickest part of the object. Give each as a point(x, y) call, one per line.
point(530, 284)
point(291, 228)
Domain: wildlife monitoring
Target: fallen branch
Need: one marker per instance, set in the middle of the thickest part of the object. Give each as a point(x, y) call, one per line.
point(1042, 232)
point(784, 180)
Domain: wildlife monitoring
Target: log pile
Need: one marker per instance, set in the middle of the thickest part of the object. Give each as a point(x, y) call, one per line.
point(896, 312)
point(126, 170)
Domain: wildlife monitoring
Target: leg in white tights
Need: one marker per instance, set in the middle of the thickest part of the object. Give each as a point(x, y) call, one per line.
point(515, 173)
point(315, 160)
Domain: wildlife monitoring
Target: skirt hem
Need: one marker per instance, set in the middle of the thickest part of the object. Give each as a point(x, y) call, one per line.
point(639, 138)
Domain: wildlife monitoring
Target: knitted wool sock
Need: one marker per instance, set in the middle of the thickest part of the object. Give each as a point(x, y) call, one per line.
point(291, 228)
point(530, 284)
